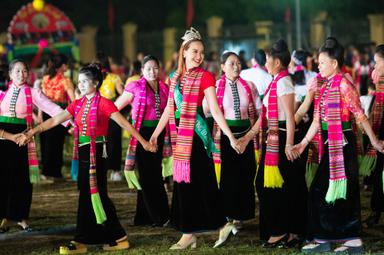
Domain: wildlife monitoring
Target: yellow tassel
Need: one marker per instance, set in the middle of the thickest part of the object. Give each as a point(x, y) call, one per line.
point(272, 177)
point(126, 134)
point(218, 173)
point(257, 156)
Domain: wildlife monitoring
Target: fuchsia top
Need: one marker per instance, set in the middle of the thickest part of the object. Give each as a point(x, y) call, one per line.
point(150, 110)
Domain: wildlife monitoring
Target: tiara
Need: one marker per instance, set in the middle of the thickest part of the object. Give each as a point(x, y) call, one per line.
point(191, 34)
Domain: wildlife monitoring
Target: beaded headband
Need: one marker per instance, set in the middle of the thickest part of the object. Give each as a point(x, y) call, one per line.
point(191, 34)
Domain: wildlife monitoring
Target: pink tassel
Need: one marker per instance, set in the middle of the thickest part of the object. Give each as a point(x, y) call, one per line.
point(181, 171)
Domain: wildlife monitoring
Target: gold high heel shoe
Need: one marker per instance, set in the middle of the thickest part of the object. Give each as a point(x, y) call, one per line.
point(121, 244)
point(224, 234)
point(192, 242)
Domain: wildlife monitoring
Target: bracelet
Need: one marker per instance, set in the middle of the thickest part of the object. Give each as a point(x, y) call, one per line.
point(2, 134)
point(40, 128)
point(288, 145)
point(306, 139)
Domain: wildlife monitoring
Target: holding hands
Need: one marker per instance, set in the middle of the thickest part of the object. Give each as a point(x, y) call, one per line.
point(235, 145)
point(292, 152)
point(243, 141)
point(25, 137)
point(378, 145)
point(149, 146)
point(20, 139)
point(296, 150)
point(153, 141)
point(17, 138)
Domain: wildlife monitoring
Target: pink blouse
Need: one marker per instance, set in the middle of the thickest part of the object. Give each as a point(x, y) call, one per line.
point(150, 110)
point(228, 101)
point(38, 99)
point(350, 103)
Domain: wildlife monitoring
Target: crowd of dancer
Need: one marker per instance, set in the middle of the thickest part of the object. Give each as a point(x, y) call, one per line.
point(288, 130)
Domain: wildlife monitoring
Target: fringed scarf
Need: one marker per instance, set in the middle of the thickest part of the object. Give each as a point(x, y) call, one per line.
point(129, 168)
point(34, 175)
point(272, 176)
point(182, 137)
point(95, 197)
point(368, 162)
point(313, 153)
point(337, 188)
point(252, 114)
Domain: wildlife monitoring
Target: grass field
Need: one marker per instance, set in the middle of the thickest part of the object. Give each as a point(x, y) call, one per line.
point(53, 215)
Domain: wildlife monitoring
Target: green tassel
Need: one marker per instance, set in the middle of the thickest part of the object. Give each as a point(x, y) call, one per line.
point(98, 208)
point(382, 179)
point(368, 163)
point(360, 159)
point(311, 169)
point(74, 169)
point(167, 165)
point(34, 175)
point(336, 190)
point(132, 180)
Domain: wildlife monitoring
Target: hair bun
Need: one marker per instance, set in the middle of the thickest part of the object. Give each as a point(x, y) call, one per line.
point(280, 46)
point(95, 65)
point(260, 57)
point(331, 43)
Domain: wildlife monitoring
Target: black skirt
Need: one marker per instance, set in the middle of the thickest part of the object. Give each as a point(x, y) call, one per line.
point(152, 202)
point(340, 220)
point(51, 147)
point(87, 230)
point(283, 210)
point(377, 199)
point(196, 205)
point(114, 147)
point(237, 189)
point(15, 187)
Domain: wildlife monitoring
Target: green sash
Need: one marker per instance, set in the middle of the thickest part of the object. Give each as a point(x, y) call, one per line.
point(201, 128)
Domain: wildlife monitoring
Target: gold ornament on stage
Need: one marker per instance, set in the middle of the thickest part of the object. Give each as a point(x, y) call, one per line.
point(191, 34)
point(38, 5)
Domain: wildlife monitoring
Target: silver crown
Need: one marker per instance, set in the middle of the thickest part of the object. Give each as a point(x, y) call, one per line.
point(191, 34)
